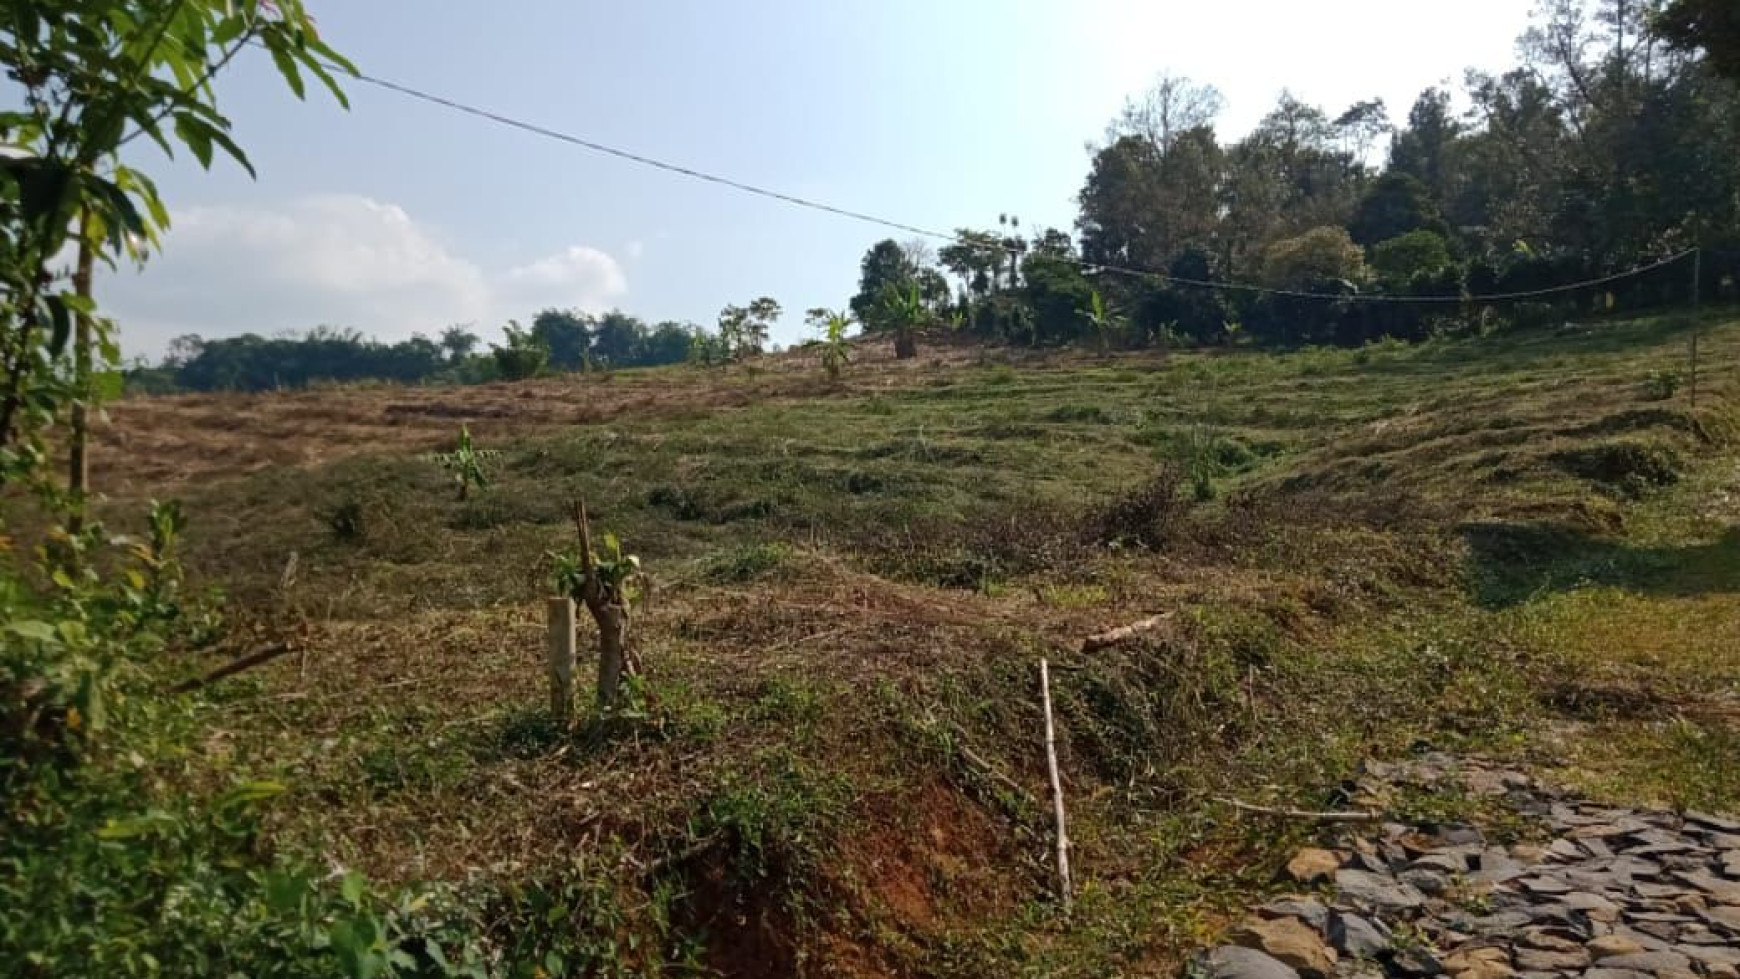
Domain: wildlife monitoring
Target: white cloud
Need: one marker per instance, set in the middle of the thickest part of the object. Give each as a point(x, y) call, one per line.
point(577, 276)
point(339, 259)
point(635, 249)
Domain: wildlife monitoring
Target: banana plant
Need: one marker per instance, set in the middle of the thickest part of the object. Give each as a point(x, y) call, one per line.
point(1104, 321)
point(906, 311)
point(466, 463)
point(836, 353)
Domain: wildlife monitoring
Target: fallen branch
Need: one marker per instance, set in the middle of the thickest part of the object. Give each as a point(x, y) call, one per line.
point(986, 768)
point(680, 857)
point(1112, 637)
point(1056, 787)
point(1354, 816)
point(264, 654)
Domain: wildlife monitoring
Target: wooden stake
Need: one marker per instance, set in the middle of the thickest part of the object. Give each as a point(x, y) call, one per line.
point(1056, 788)
point(562, 643)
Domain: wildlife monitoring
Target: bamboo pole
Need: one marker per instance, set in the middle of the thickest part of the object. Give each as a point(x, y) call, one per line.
point(1056, 787)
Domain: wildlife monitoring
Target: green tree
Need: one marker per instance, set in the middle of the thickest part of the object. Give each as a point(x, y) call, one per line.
point(1320, 255)
point(618, 339)
point(458, 343)
point(566, 334)
point(1712, 26)
point(1401, 258)
point(976, 257)
point(92, 77)
point(523, 355)
point(885, 265)
point(744, 330)
point(1395, 204)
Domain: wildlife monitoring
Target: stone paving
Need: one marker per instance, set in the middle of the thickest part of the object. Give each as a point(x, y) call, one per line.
point(1612, 893)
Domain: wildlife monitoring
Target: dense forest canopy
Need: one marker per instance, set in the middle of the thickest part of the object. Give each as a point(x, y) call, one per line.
point(1609, 147)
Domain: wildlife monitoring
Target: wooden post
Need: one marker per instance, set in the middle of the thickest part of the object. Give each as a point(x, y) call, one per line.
point(561, 615)
point(1056, 787)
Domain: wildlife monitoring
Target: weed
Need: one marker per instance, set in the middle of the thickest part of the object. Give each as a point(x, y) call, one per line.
point(1628, 469)
point(1150, 516)
point(746, 563)
point(348, 520)
point(1661, 385)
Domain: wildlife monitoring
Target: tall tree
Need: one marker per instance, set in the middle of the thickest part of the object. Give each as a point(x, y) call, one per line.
point(1172, 106)
point(566, 334)
point(1712, 26)
point(885, 265)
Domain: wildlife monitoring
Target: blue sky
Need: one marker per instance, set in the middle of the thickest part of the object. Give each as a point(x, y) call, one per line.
point(399, 217)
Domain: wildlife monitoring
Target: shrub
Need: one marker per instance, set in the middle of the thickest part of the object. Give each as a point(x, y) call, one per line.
point(1149, 516)
point(744, 563)
point(1661, 385)
point(1627, 469)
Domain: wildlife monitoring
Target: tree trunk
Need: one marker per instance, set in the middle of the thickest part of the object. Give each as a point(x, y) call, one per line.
point(905, 344)
point(79, 467)
point(612, 655)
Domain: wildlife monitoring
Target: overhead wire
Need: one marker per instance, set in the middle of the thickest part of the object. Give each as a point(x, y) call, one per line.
point(595, 146)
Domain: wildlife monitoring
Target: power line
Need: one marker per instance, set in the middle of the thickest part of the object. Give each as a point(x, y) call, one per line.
point(793, 199)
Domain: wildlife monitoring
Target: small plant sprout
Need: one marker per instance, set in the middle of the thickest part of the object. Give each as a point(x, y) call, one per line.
point(466, 463)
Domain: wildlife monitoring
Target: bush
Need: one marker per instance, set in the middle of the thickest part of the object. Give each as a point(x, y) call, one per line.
point(1150, 516)
point(1627, 469)
point(1661, 385)
point(744, 563)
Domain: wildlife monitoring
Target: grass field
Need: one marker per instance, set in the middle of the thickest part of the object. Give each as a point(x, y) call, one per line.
point(1513, 545)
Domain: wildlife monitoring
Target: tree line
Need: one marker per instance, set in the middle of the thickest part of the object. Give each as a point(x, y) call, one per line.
point(556, 340)
point(1611, 145)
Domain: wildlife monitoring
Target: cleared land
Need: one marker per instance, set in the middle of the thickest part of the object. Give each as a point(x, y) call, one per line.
point(1507, 546)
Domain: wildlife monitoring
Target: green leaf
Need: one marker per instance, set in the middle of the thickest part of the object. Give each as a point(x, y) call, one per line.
point(250, 792)
point(62, 320)
point(107, 385)
point(197, 135)
point(285, 891)
point(354, 887)
point(31, 629)
point(287, 67)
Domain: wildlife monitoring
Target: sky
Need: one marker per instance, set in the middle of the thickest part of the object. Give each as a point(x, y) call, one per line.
point(399, 217)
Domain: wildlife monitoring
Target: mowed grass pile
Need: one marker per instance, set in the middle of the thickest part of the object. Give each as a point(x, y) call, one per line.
point(1513, 545)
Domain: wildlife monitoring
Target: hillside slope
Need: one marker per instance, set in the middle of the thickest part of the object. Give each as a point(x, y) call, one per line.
point(1513, 546)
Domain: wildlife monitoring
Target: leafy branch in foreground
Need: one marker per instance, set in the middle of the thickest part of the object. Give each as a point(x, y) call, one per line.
point(91, 77)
